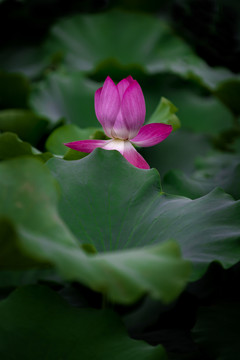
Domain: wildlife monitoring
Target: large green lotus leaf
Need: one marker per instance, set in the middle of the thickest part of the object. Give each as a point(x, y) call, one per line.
point(66, 96)
point(217, 330)
point(215, 170)
point(54, 330)
point(93, 42)
point(14, 91)
point(125, 208)
point(31, 228)
point(64, 134)
point(178, 151)
point(12, 146)
point(26, 124)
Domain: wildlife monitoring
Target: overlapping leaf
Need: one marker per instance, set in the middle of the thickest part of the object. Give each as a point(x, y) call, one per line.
point(66, 96)
point(144, 42)
point(25, 123)
point(216, 170)
point(64, 332)
point(32, 233)
point(12, 146)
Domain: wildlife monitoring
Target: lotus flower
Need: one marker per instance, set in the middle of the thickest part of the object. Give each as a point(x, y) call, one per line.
point(121, 111)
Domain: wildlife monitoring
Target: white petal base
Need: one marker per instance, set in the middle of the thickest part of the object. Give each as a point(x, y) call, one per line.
point(128, 151)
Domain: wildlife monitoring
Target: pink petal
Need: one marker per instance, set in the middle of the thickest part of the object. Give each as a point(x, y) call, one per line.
point(122, 87)
point(152, 134)
point(86, 145)
point(120, 129)
point(130, 79)
point(132, 156)
point(97, 103)
point(133, 109)
point(107, 105)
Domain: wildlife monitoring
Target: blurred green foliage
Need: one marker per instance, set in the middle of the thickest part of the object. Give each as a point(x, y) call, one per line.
point(163, 254)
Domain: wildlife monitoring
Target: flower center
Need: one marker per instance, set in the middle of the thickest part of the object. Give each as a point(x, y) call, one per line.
point(117, 136)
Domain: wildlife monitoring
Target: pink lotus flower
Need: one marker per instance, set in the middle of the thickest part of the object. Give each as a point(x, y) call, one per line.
point(121, 111)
